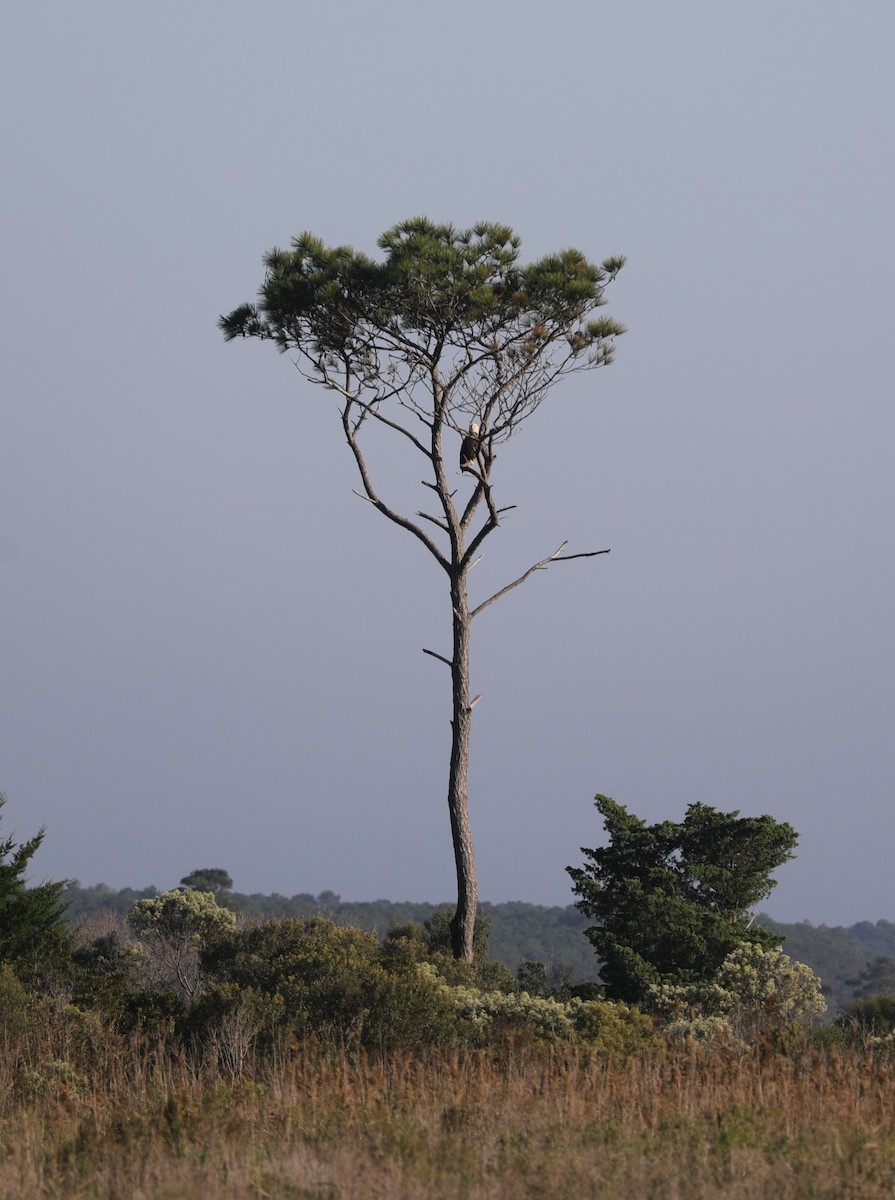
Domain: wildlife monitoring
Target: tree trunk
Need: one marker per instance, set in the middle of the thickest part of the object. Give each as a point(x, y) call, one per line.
point(463, 921)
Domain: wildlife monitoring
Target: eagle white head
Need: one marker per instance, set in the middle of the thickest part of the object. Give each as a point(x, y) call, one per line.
point(474, 428)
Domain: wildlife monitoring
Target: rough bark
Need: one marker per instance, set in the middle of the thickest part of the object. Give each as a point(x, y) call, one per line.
point(463, 921)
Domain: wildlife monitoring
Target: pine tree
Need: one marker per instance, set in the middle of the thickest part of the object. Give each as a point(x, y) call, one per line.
point(671, 901)
point(449, 345)
point(31, 918)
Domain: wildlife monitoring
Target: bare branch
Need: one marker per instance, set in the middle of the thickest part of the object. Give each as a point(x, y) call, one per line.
point(483, 488)
point(435, 521)
point(436, 457)
point(474, 701)
point(556, 556)
point(395, 517)
point(370, 408)
point(434, 487)
point(472, 503)
point(586, 554)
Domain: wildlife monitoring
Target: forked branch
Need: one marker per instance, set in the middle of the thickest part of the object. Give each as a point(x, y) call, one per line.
point(369, 493)
point(556, 556)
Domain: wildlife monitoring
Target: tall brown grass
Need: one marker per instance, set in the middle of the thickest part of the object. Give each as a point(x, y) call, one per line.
point(88, 1113)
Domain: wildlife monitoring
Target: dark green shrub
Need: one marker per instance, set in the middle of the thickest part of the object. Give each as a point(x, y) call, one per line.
point(409, 1008)
point(405, 947)
point(299, 977)
point(99, 977)
point(871, 1017)
point(438, 933)
point(33, 933)
point(319, 972)
point(532, 977)
point(150, 1011)
point(411, 944)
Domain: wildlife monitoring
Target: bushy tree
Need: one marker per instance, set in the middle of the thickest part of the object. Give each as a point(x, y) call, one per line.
point(208, 879)
point(671, 901)
point(32, 925)
point(174, 928)
point(449, 336)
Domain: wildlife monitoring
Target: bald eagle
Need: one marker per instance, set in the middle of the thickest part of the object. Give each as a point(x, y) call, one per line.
point(469, 450)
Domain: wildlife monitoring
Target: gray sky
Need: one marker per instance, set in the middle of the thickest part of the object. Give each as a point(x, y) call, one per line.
point(211, 650)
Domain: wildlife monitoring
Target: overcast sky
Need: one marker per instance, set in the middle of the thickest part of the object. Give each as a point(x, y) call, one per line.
point(211, 650)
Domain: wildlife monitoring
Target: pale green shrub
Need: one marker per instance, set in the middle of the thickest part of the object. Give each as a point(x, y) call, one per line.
point(756, 988)
point(173, 929)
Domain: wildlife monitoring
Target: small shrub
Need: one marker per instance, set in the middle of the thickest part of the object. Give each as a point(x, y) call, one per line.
point(405, 947)
point(532, 977)
point(548, 1019)
point(756, 990)
point(56, 1079)
point(873, 1017)
point(151, 1011)
point(615, 1028)
point(409, 1008)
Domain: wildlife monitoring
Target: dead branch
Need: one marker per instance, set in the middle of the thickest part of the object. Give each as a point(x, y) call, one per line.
point(492, 511)
point(586, 554)
point(370, 494)
point(435, 521)
point(556, 556)
point(434, 487)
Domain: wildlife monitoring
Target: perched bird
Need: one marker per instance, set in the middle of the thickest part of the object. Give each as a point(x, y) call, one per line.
point(469, 450)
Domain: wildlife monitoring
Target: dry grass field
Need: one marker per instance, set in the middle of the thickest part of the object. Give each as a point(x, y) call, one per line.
point(85, 1113)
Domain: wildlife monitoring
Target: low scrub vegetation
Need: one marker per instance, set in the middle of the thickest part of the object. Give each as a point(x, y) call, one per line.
point(91, 1111)
point(187, 1055)
point(184, 1050)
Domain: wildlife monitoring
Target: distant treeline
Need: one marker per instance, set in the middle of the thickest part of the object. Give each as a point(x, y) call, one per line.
point(853, 962)
point(519, 932)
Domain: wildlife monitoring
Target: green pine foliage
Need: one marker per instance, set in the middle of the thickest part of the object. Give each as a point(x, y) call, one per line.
point(435, 281)
point(32, 927)
point(671, 901)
